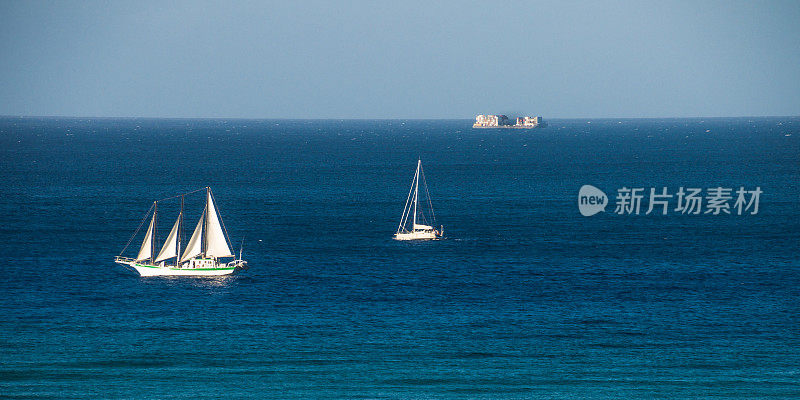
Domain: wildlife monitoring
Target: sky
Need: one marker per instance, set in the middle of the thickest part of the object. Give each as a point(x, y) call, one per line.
point(399, 59)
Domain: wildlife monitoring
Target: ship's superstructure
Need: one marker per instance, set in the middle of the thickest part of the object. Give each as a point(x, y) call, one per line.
point(490, 121)
point(502, 121)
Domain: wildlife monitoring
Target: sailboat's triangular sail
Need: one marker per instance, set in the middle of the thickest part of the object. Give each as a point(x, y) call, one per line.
point(216, 244)
point(427, 195)
point(194, 248)
point(170, 248)
point(146, 251)
point(410, 202)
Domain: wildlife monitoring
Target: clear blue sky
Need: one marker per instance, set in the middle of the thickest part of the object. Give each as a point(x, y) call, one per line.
point(399, 59)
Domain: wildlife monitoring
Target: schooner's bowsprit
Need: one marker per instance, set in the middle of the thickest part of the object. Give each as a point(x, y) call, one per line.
point(202, 254)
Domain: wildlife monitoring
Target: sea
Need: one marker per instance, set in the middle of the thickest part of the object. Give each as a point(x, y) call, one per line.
point(524, 298)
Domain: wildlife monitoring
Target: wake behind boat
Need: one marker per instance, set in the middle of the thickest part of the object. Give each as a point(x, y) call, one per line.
point(202, 255)
point(418, 231)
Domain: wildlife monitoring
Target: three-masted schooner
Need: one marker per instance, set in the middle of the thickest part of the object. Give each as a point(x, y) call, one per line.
point(201, 255)
point(411, 211)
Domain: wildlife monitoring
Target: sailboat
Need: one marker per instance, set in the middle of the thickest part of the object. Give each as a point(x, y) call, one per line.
point(417, 231)
point(202, 254)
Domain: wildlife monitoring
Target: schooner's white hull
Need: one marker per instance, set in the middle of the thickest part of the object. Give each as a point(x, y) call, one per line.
point(152, 270)
point(416, 235)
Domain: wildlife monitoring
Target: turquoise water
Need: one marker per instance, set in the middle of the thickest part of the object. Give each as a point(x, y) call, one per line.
point(526, 298)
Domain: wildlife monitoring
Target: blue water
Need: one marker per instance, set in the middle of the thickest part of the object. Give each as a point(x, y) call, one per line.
point(526, 298)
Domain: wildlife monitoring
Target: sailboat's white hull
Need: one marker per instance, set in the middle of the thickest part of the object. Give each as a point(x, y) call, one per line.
point(416, 235)
point(151, 270)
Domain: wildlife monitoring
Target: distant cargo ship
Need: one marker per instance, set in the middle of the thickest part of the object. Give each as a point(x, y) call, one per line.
point(502, 121)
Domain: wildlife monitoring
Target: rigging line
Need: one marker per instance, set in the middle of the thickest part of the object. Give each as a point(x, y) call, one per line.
point(138, 228)
point(179, 195)
point(412, 203)
point(428, 195)
point(404, 217)
point(407, 209)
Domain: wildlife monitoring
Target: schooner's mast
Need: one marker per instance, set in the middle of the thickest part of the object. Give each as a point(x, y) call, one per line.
point(205, 223)
point(153, 234)
point(180, 234)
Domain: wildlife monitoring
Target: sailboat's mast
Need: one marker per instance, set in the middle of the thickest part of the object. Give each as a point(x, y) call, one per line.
point(416, 195)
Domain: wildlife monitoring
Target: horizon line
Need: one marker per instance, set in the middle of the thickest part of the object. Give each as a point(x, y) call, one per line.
point(378, 119)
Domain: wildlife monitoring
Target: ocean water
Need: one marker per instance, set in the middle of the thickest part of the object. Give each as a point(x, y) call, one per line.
point(526, 298)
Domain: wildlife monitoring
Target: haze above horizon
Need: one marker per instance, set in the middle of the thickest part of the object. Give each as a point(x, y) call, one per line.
point(415, 60)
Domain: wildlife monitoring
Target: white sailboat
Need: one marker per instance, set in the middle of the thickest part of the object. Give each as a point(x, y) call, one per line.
point(417, 231)
point(202, 255)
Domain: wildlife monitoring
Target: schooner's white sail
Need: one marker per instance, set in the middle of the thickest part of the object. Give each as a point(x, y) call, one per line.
point(170, 248)
point(411, 211)
point(146, 251)
point(195, 248)
point(216, 244)
point(207, 245)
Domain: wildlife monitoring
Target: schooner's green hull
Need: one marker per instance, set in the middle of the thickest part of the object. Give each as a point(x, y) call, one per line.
point(155, 270)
